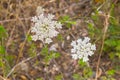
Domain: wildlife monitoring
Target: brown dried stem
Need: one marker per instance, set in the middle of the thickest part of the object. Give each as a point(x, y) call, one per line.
point(106, 24)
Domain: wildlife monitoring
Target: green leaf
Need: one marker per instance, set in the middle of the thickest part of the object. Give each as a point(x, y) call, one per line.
point(76, 76)
point(58, 77)
point(95, 16)
point(117, 48)
point(87, 72)
point(59, 37)
point(91, 29)
point(1, 63)
point(55, 54)
point(114, 30)
point(3, 32)
point(111, 72)
point(10, 59)
point(2, 50)
point(29, 38)
point(32, 50)
point(112, 55)
point(118, 54)
point(67, 21)
point(81, 63)
point(44, 50)
point(110, 42)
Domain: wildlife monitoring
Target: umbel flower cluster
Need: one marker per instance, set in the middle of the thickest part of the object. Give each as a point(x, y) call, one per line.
point(82, 49)
point(44, 28)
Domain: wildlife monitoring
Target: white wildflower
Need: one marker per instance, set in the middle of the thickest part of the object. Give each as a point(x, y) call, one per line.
point(82, 49)
point(44, 28)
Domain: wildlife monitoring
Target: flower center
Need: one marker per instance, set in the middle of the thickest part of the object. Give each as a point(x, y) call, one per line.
point(45, 27)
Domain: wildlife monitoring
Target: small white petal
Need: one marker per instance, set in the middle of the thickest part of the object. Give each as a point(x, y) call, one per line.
point(79, 41)
point(73, 43)
point(91, 53)
point(93, 47)
point(48, 40)
point(80, 56)
point(86, 39)
point(73, 50)
point(34, 37)
point(34, 19)
point(74, 56)
point(85, 59)
point(88, 45)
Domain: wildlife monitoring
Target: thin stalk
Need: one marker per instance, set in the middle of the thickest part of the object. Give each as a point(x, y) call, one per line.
point(106, 24)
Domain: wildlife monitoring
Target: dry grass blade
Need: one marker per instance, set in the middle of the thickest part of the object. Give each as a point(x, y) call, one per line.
point(20, 54)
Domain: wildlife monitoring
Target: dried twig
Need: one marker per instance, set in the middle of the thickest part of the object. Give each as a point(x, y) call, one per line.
point(13, 69)
point(22, 47)
point(2, 78)
point(106, 24)
point(10, 20)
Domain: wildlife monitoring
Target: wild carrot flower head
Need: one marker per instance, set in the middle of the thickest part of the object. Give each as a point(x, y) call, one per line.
point(44, 28)
point(82, 49)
